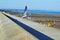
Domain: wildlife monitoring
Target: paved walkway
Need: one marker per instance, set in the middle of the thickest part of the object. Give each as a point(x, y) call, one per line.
point(49, 31)
point(11, 31)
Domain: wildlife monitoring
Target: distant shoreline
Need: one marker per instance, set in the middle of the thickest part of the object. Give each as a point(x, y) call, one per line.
point(32, 11)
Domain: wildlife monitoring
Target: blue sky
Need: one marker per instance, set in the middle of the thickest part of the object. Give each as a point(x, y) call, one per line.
point(52, 5)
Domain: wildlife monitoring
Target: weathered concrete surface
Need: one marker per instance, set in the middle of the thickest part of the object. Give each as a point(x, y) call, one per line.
point(50, 31)
point(11, 31)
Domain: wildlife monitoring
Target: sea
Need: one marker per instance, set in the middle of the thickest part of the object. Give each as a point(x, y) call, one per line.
point(33, 11)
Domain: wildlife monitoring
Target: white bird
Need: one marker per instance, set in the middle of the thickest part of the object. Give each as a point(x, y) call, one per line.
point(25, 12)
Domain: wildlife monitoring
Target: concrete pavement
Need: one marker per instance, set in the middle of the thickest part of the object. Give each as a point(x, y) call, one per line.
point(50, 31)
point(11, 31)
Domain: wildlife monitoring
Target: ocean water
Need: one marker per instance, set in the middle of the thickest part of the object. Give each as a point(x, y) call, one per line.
point(33, 11)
